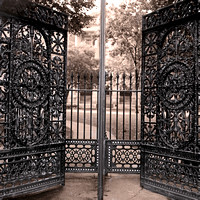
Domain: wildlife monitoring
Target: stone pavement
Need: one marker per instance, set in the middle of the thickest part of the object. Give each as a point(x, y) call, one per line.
point(84, 187)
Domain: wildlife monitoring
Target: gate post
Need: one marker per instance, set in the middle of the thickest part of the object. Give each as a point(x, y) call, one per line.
point(101, 106)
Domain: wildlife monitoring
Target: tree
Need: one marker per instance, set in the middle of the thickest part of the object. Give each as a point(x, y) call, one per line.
point(156, 4)
point(82, 63)
point(124, 30)
point(76, 10)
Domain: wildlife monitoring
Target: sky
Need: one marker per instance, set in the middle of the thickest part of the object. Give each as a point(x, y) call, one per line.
point(114, 2)
point(110, 2)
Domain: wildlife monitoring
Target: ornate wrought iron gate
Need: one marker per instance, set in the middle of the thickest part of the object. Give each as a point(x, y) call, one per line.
point(32, 100)
point(170, 101)
point(34, 152)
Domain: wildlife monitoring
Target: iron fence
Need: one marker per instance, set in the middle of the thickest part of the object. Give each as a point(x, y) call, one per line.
point(122, 104)
point(122, 119)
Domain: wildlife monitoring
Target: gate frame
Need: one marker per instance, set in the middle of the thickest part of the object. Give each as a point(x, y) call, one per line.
point(40, 17)
point(174, 15)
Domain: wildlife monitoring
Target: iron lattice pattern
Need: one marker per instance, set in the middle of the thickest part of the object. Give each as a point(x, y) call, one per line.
point(170, 14)
point(46, 16)
point(81, 156)
point(178, 175)
point(169, 101)
point(32, 105)
point(21, 171)
point(180, 171)
point(169, 90)
point(122, 118)
point(123, 156)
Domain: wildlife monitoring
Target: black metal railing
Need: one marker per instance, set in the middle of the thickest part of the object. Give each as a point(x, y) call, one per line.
point(122, 118)
point(82, 112)
point(122, 104)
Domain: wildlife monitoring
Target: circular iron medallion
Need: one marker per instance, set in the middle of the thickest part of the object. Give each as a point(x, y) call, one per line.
point(175, 86)
point(30, 84)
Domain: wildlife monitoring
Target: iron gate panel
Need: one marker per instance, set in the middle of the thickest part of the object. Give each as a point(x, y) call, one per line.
point(122, 117)
point(32, 100)
point(170, 106)
point(123, 156)
point(81, 156)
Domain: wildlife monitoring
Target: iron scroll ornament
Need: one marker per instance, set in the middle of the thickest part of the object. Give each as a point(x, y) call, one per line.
point(175, 86)
point(30, 84)
point(176, 102)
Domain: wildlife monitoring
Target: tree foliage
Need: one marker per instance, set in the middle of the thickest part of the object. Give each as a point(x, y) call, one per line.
point(82, 62)
point(156, 4)
point(124, 30)
point(75, 9)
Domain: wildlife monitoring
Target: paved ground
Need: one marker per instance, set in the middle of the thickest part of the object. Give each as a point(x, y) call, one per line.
point(81, 128)
point(84, 187)
point(87, 131)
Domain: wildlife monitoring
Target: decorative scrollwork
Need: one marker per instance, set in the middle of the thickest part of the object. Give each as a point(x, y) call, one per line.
point(30, 84)
point(178, 173)
point(23, 167)
point(170, 100)
point(123, 156)
point(176, 86)
point(57, 43)
point(30, 44)
point(169, 85)
point(46, 16)
point(172, 13)
point(4, 79)
point(176, 129)
point(32, 91)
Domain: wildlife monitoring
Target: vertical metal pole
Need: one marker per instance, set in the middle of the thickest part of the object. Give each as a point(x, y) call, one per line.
point(111, 105)
point(124, 79)
point(117, 111)
point(71, 86)
point(78, 101)
point(91, 86)
point(130, 107)
point(84, 112)
point(101, 105)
